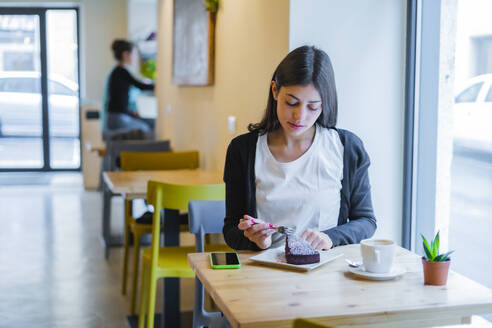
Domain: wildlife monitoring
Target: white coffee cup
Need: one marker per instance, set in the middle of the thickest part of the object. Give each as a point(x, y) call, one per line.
point(377, 254)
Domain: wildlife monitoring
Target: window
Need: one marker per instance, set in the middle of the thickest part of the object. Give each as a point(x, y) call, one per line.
point(452, 163)
point(470, 94)
point(39, 48)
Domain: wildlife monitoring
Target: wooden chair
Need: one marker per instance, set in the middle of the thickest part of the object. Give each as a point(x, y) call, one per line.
point(168, 262)
point(139, 161)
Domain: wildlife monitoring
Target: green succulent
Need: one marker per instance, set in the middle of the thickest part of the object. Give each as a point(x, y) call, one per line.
point(212, 5)
point(432, 250)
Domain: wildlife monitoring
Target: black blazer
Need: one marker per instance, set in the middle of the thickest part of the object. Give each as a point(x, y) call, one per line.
point(356, 220)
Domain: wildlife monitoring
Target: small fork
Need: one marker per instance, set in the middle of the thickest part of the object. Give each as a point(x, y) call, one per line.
point(281, 229)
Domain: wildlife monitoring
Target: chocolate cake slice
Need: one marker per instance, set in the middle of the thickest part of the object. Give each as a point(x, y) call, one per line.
point(298, 251)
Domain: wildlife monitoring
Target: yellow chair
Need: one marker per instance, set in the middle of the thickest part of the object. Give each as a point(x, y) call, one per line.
point(140, 161)
point(307, 323)
point(171, 261)
point(146, 161)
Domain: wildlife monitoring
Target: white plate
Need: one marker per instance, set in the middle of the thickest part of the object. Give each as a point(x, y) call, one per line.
point(361, 272)
point(276, 257)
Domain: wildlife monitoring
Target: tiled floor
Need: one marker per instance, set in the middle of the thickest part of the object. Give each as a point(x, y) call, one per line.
point(52, 269)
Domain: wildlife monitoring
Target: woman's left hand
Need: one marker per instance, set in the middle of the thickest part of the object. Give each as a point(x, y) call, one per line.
point(318, 240)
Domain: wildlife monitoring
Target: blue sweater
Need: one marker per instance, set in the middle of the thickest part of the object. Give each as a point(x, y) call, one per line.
point(356, 220)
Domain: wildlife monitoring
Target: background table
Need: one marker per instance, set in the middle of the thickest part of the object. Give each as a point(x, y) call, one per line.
point(260, 296)
point(133, 185)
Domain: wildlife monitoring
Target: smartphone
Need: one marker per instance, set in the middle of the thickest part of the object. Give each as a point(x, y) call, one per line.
point(224, 260)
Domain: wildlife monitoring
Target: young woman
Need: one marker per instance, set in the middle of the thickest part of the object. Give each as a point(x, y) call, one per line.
point(117, 103)
point(294, 168)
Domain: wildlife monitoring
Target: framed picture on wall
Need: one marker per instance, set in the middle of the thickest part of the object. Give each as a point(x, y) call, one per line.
point(193, 43)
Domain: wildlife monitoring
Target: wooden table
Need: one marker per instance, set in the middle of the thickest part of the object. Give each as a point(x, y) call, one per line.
point(132, 185)
point(260, 296)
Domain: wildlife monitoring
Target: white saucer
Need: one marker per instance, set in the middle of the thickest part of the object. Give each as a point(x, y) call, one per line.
point(361, 272)
point(276, 257)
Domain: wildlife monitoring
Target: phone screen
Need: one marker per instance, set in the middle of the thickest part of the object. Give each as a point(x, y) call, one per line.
point(228, 258)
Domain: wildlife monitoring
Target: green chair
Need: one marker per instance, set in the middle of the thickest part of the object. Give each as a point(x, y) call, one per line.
point(147, 161)
point(141, 161)
point(168, 262)
point(308, 323)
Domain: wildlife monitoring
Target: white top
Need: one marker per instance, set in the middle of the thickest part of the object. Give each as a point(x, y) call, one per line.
point(305, 192)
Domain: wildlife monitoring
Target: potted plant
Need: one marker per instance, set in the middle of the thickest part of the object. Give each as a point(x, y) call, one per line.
point(436, 266)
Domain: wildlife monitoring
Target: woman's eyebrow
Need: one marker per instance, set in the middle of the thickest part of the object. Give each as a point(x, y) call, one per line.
point(311, 102)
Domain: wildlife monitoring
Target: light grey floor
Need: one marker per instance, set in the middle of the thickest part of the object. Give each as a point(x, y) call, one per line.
point(52, 269)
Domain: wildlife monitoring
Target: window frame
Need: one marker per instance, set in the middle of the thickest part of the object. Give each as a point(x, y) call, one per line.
point(421, 120)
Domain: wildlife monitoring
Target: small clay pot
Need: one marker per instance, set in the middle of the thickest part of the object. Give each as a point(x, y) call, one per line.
point(435, 273)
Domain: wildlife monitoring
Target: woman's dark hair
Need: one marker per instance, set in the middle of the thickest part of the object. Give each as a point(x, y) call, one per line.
point(120, 46)
point(303, 66)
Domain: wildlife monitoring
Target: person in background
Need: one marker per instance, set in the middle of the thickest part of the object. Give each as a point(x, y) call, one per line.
point(295, 168)
point(119, 110)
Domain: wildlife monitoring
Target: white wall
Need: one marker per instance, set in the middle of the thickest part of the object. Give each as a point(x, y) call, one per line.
point(101, 21)
point(365, 41)
point(142, 18)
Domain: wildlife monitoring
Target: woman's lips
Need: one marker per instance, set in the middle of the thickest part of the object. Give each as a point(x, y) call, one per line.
point(295, 126)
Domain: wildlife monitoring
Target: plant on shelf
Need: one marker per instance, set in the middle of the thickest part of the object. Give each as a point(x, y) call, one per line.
point(436, 266)
point(212, 5)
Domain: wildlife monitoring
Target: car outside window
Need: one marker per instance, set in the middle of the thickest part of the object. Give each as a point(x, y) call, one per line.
point(20, 84)
point(488, 98)
point(56, 88)
point(469, 94)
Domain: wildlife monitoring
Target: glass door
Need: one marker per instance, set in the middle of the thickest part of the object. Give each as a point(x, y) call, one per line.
point(63, 88)
point(21, 112)
point(39, 89)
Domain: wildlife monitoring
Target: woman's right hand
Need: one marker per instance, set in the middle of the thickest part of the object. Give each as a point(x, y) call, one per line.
point(259, 233)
